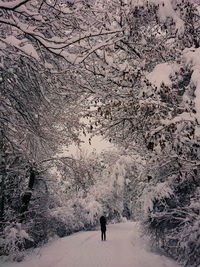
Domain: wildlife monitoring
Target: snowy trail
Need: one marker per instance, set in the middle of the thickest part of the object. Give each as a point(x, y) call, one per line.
point(123, 248)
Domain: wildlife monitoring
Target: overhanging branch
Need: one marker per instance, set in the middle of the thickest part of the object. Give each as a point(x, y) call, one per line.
point(12, 5)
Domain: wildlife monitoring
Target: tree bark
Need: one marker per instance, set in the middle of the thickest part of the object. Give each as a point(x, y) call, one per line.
point(3, 177)
point(27, 195)
point(2, 195)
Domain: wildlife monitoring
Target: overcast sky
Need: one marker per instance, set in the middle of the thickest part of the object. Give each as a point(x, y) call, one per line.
point(97, 145)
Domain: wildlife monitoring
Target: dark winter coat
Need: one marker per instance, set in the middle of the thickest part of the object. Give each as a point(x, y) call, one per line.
point(103, 223)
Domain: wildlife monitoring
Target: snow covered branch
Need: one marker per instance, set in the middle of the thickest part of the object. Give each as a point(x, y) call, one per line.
point(12, 5)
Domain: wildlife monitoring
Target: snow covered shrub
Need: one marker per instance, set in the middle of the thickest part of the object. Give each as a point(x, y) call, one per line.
point(154, 193)
point(77, 214)
point(13, 240)
point(38, 228)
point(87, 212)
point(172, 217)
point(187, 249)
point(155, 202)
point(62, 220)
point(177, 232)
point(189, 241)
point(93, 211)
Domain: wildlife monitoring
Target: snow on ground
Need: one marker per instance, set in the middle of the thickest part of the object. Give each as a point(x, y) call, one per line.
point(124, 248)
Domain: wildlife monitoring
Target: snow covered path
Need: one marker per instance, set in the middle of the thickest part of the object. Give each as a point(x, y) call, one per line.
point(123, 248)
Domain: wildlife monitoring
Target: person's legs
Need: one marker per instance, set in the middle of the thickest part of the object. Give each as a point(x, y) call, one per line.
point(102, 235)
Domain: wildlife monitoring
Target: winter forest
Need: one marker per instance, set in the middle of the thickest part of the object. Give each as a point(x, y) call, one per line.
point(125, 70)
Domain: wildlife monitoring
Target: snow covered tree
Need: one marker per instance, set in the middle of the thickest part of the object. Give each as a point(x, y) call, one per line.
point(148, 94)
point(36, 118)
point(138, 63)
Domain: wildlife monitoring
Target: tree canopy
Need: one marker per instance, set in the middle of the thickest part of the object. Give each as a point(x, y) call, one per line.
point(132, 69)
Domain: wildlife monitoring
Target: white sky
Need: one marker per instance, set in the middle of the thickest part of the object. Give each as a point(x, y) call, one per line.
point(97, 146)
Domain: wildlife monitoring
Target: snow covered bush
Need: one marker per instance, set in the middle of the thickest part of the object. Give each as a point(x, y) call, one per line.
point(13, 240)
point(152, 194)
point(188, 249)
point(77, 214)
point(172, 216)
point(62, 221)
point(177, 233)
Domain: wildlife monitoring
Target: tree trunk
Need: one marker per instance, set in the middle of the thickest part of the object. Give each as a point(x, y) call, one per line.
point(27, 195)
point(3, 178)
point(2, 197)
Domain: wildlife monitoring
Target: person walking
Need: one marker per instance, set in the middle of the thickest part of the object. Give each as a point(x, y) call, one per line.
point(103, 228)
